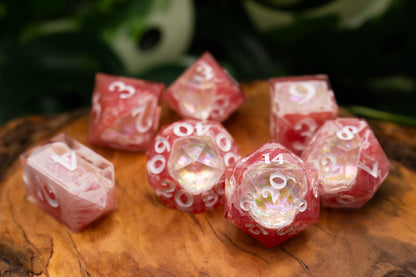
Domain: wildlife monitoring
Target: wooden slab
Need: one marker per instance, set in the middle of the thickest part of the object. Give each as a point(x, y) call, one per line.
point(144, 238)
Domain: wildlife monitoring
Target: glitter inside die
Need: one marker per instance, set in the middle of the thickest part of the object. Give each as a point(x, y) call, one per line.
point(125, 112)
point(69, 181)
point(186, 164)
point(351, 163)
point(271, 194)
point(205, 91)
point(298, 107)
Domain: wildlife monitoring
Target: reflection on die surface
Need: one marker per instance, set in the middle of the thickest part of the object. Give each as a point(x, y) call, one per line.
point(271, 194)
point(69, 181)
point(350, 161)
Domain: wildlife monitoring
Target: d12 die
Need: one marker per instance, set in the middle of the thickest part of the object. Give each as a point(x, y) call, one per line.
point(271, 194)
point(186, 164)
point(299, 106)
point(125, 112)
point(205, 91)
point(69, 181)
point(351, 163)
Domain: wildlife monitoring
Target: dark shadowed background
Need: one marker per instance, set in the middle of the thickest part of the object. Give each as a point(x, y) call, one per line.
point(51, 50)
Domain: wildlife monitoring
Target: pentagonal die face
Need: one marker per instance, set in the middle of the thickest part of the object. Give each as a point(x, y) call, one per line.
point(298, 107)
point(186, 164)
point(271, 195)
point(125, 112)
point(205, 91)
point(69, 181)
point(351, 163)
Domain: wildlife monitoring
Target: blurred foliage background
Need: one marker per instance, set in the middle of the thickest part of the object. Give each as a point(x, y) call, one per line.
point(51, 50)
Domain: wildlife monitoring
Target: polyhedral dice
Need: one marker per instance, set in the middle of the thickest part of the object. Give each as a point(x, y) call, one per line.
point(186, 164)
point(271, 194)
point(125, 112)
point(298, 107)
point(205, 91)
point(69, 181)
point(351, 163)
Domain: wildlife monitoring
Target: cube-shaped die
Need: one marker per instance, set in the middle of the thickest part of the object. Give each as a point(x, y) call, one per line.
point(298, 107)
point(272, 194)
point(125, 112)
point(69, 181)
point(351, 163)
point(186, 164)
point(205, 91)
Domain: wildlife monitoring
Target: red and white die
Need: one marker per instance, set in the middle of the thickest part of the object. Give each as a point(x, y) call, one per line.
point(298, 107)
point(186, 164)
point(271, 194)
point(351, 163)
point(125, 112)
point(205, 91)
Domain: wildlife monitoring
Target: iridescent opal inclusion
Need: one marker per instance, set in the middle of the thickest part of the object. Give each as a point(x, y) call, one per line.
point(274, 207)
point(196, 163)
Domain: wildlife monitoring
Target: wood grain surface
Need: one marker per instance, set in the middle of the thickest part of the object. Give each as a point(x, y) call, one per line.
point(144, 238)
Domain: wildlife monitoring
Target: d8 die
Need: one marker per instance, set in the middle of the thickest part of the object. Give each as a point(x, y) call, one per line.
point(271, 194)
point(299, 106)
point(125, 112)
point(69, 181)
point(351, 163)
point(186, 164)
point(205, 91)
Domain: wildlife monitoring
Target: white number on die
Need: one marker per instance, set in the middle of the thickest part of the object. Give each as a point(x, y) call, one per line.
point(305, 95)
point(157, 164)
point(143, 127)
point(204, 72)
point(373, 171)
point(125, 91)
point(209, 198)
point(330, 161)
point(220, 104)
point(167, 190)
point(347, 133)
point(278, 158)
point(179, 195)
point(256, 229)
point(311, 127)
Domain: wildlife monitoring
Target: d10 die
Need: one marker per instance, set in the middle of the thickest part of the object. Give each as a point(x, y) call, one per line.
point(351, 163)
point(69, 181)
point(186, 164)
point(299, 106)
point(205, 91)
point(125, 112)
point(271, 195)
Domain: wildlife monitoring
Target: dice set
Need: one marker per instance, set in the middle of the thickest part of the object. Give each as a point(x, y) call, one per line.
point(194, 165)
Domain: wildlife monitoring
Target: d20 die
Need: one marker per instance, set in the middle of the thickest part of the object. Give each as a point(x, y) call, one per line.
point(69, 181)
point(125, 112)
point(186, 164)
point(351, 163)
point(298, 107)
point(271, 194)
point(205, 91)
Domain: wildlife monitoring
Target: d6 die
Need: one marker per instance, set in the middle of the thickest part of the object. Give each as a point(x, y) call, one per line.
point(299, 106)
point(205, 91)
point(69, 181)
point(351, 163)
point(272, 195)
point(186, 164)
point(125, 112)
